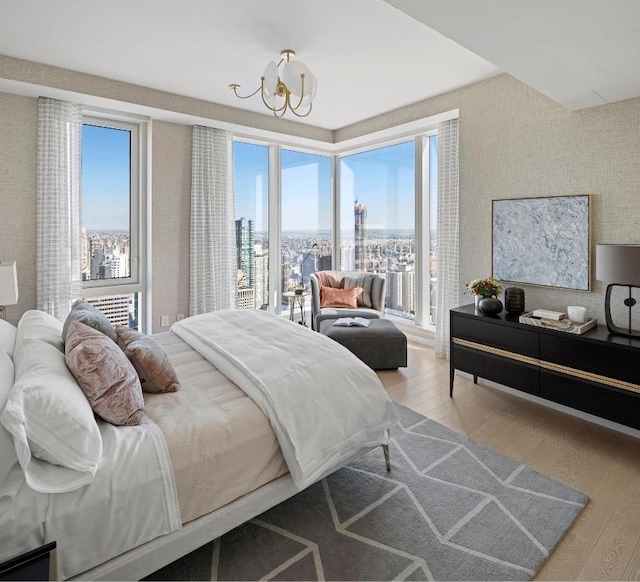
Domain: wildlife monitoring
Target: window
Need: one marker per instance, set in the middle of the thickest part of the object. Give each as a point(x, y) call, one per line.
point(111, 237)
point(382, 202)
point(377, 221)
point(251, 192)
point(285, 222)
point(306, 217)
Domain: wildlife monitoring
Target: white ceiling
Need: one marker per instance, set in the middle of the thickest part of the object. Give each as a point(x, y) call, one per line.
point(370, 56)
point(579, 53)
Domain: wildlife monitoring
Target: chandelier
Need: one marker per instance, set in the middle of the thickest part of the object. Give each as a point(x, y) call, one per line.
point(286, 85)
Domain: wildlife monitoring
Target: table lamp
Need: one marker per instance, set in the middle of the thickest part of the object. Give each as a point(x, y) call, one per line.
point(619, 265)
point(8, 287)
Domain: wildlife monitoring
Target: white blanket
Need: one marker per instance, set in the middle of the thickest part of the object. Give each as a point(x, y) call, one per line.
point(323, 403)
point(132, 500)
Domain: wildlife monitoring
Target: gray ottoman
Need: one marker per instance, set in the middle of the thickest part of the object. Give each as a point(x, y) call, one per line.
point(381, 345)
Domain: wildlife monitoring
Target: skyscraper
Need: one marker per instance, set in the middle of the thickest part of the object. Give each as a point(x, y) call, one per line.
point(360, 228)
point(245, 253)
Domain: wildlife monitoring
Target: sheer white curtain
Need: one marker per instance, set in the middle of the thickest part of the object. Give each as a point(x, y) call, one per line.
point(58, 201)
point(448, 250)
point(213, 253)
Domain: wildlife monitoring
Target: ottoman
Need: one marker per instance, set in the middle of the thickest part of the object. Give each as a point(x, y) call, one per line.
point(381, 346)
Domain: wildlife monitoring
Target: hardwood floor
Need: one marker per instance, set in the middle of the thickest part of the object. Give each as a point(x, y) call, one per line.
point(604, 542)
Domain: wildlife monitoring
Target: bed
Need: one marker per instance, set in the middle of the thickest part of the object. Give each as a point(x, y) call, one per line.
point(265, 408)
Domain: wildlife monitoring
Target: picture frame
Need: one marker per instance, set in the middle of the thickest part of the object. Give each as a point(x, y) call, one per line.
point(543, 241)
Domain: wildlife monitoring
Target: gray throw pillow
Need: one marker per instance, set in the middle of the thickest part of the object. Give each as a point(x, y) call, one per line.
point(89, 315)
point(364, 281)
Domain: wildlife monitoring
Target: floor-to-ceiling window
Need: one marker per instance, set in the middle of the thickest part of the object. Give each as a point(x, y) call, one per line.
point(383, 203)
point(388, 217)
point(251, 190)
point(306, 217)
point(377, 220)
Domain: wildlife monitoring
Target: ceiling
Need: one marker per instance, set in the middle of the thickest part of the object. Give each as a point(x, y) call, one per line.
point(579, 53)
point(370, 56)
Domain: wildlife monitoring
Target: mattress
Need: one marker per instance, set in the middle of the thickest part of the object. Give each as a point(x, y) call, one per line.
point(220, 443)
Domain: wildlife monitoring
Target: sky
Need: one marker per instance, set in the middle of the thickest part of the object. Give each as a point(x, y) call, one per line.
point(381, 179)
point(105, 178)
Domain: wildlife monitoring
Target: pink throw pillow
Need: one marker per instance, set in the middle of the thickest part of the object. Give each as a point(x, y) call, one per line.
point(327, 279)
point(105, 375)
point(155, 370)
point(330, 297)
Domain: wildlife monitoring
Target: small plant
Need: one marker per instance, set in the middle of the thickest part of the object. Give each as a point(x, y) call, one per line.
point(488, 287)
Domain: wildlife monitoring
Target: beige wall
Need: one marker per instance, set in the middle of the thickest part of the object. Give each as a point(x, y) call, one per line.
point(18, 131)
point(171, 207)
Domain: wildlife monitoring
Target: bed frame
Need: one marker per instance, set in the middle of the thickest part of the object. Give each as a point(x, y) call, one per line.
point(159, 552)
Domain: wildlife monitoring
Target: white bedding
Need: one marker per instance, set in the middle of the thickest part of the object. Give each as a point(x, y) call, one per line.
point(323, 403)
point(131, 501)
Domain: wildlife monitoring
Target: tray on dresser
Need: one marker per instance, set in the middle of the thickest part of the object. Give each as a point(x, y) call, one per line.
point(565, 325)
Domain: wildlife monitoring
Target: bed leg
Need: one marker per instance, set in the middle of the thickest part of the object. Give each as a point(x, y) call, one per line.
point(387, 461)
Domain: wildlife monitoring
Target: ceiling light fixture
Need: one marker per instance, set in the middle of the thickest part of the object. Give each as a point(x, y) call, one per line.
point(286, 85)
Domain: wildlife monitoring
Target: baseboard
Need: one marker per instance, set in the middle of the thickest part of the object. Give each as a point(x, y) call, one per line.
point(555, 406)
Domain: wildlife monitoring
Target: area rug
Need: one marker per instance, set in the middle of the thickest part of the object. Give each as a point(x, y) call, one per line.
point(450, 509)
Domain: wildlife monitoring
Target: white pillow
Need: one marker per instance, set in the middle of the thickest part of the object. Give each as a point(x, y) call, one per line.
point(55, 433)
point(39, 325)
point(7, 337)
point(7, 449)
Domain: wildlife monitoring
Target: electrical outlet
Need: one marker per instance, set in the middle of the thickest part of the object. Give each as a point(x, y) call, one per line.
point(179, 316)
point(164, 321)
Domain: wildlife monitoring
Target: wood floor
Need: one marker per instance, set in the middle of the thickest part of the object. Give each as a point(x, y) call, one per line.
point(604, 542)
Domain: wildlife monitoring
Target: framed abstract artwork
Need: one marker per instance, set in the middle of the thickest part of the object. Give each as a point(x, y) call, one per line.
point(543, 241)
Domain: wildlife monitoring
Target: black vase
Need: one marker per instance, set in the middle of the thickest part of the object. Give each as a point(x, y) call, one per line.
point(490, 305)
point(514, 300)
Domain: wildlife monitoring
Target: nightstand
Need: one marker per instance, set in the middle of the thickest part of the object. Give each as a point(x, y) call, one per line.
point(38, 564)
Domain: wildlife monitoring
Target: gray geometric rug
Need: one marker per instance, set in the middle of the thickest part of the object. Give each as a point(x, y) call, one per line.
point(450, 509)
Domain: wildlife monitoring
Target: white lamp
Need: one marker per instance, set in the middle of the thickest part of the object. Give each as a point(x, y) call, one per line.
point(8, 286)
point(287, 85)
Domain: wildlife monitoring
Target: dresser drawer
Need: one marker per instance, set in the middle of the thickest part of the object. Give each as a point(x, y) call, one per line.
point(597, 358)
point(520, 375)
point(617, 405)
point(520, 341)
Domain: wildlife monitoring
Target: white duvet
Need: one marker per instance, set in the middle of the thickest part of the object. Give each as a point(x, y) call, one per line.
point(323, 403)
point(132, 500)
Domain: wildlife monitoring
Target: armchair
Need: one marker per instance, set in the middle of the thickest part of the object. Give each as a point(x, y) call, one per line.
point(374, 287)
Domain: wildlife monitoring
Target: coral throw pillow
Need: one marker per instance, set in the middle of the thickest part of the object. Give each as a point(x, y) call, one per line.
point(105, 375)
point(340, 297)
point(155, 370)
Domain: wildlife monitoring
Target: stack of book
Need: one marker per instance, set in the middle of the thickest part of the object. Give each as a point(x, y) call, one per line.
point(556, 320)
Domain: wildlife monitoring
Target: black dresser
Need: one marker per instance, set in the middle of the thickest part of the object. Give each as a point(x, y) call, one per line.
point(594, 372)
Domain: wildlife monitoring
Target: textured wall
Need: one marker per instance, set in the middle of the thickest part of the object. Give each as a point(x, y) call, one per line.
point(516, 143)
point(171, 207)
point(18, 148)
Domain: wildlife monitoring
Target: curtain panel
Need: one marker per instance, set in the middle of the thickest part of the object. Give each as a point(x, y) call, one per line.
point(448, 224)
point(58, 206)
point(213, 264)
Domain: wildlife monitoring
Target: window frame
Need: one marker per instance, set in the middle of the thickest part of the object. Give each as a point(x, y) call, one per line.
point(138, 212)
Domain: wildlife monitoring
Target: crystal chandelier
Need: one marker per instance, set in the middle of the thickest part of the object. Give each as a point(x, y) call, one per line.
point(289, 84)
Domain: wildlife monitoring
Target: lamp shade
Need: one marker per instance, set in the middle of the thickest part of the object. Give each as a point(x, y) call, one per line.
point(618, 264)
point(8, 284)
